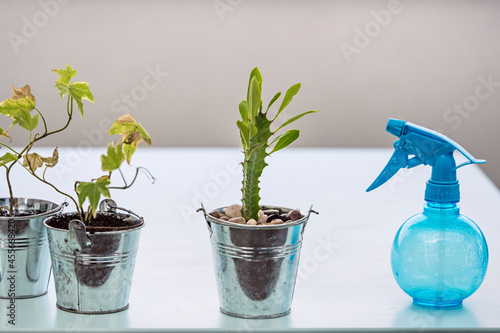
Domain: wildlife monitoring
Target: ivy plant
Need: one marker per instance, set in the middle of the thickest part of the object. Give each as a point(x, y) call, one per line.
point(21, 110)
point(259, 140)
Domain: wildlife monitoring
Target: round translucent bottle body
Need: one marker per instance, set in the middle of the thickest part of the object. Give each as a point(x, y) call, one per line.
point(439, 257)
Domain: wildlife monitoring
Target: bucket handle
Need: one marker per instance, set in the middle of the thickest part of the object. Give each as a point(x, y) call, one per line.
point(61, 207)
point(311, 210)
point(209, 226)
point(78, 233)
point(109, 205)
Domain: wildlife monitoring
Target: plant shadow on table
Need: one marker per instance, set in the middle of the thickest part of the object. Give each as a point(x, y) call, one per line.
point(416, 316)
point(73, 322)
point(233, 324)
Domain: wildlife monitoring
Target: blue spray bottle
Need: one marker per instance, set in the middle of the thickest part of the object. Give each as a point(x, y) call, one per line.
point(439, 257)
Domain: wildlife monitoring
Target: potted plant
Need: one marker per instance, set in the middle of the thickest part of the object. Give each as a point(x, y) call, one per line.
point(25, 260)
point(93, 249)
point(256, 247)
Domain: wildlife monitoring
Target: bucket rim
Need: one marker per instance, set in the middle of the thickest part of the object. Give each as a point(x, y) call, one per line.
point(133, 228)
point(302, 220)
point(53, 211)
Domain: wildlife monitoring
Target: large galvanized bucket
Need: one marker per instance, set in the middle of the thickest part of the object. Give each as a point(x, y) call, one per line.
point(93, 269)
point(256, 265)
point(24, 253)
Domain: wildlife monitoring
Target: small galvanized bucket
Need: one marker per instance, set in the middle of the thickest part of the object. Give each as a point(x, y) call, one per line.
point(93, 269)
point(256, 265)
point(24, 254)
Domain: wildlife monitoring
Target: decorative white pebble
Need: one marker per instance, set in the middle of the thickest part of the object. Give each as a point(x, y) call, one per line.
point(252, 222)
point(276, 221)
point(233, 211)
point(239, 219)
point(263, 219)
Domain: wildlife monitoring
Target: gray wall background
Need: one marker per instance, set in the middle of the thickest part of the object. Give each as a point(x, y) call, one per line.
point(422, 61)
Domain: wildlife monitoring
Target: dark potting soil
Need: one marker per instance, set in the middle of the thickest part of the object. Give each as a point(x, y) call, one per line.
point(104, 243)
point(104, 222)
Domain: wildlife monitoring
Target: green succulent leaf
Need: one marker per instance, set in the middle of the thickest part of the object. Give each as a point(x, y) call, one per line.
point(243, 132)
point(254, 100)
point(114, 158)
point(291, 120)
point(65, 75)
point(243, 107)
point(80, 91)
point(285, 139)
point(93, 191)
point(132, 134)
point(258, 76)
point(273, 100)
point(289, 95)
point(7, 158)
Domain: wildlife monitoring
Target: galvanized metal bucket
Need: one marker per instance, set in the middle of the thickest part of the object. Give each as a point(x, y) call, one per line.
point(256, 265)
point(93, 269)
point(24, 254)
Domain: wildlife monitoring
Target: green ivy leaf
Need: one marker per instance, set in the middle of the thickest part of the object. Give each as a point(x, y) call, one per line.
point(12, 107)
point(285, 139)
point(291, 120)
point(26, 120)
point(80, 91)
point(93, 191)
point(132, 134)
point(114, 159)
point(7, 158)
point(65, 75)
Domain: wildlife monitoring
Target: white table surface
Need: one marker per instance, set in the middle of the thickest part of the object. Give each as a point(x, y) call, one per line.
point(345, 280)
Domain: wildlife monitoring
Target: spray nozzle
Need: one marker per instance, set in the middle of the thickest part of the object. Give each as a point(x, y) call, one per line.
point(419, 145)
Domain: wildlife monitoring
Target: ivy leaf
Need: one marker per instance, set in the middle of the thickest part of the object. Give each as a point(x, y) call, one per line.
point(22, 100)
point(80, 91)
point(26, 120)
point(32, 161)
point(290, 94)
point(291, 120)
point(20, 93)
point(285, 140)
point(93, 191)
point(65, 75)
point(8, 157)
point(132, 134)
point(4, 134)
point(51, 161)
point(114, 159)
